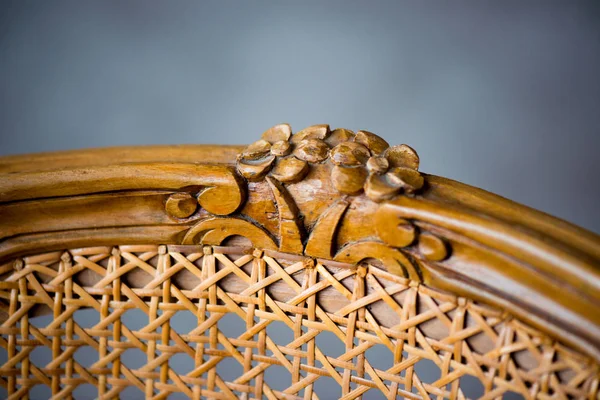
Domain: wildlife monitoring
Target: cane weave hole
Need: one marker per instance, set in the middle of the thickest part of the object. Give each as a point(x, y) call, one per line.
point(133, 322)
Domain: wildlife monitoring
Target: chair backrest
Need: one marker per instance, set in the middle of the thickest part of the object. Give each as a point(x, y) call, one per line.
point(320, 264)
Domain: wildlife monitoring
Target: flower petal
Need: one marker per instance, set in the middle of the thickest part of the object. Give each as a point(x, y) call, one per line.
point(377, 165)
point(378, 188)
point(350, 153)
point(402, 156)
point(256, 150)
point(348, 180)
point(281, 148)
point(373, 142)
point(338, 136)
point(312, 132)
point(254, 170)
point(312, 150)
point(290, 169)
point(277, 133)
point(407, 178)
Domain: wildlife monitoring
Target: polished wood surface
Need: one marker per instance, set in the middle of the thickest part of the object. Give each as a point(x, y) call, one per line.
point(334, 196)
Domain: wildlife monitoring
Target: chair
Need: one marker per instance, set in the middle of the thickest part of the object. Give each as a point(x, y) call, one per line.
point(368, 268)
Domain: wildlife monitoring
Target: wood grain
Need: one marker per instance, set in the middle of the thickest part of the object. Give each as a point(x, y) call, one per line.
point(381, 209)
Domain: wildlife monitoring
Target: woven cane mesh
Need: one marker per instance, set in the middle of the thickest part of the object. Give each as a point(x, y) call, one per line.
point(347, 332)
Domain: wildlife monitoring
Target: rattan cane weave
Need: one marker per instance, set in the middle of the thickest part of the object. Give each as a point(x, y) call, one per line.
point(213, 282)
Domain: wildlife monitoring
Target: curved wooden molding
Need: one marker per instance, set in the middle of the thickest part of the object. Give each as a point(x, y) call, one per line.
point(321, 194)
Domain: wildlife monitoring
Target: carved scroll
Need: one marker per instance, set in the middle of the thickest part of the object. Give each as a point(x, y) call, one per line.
point(62, 207)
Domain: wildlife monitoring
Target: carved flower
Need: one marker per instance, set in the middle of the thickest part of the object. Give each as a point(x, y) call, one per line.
point(283, 156)
point(362, 161)
point(367, 162)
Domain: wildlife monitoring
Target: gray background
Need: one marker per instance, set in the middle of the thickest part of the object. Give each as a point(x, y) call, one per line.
point(504, 95)
point(500, 95)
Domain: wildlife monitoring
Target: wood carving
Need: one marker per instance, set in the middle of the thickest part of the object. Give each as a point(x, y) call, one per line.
point(334, 194)
point(323, 197)
point(355, 171)
point(351, 171)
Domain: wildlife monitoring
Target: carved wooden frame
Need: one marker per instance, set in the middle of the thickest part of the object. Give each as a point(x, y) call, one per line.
point(329, 195)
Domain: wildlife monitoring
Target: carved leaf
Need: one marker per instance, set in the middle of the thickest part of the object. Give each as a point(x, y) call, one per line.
point(291, 231)
point(322, 238)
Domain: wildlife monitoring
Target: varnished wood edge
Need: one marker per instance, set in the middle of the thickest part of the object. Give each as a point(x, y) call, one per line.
point(493, 249)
